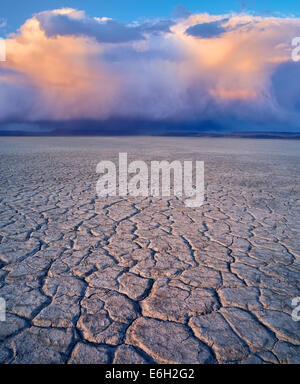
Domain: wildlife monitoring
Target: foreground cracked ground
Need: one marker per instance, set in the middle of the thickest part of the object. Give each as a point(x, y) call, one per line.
point(144, 280)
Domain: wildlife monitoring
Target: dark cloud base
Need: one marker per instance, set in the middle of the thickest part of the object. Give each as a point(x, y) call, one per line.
point(64, 64)
point(117, 127)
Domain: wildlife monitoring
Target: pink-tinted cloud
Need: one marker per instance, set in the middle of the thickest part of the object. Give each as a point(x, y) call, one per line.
point(65, 65)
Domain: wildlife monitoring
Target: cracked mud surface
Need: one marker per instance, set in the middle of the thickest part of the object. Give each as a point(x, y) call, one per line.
point(144, 280)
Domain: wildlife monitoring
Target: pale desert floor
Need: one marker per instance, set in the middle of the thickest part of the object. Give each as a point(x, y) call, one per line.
point(143, 280)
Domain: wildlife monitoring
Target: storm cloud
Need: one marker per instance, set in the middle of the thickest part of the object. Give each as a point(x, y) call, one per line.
point(229, 70)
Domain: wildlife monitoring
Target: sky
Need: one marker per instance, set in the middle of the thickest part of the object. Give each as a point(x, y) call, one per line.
point(15, 12)
point(137, 66)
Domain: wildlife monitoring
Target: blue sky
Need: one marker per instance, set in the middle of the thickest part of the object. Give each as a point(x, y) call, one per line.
point(15, 12)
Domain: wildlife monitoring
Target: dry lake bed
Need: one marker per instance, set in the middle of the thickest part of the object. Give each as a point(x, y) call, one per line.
point(145, 280)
